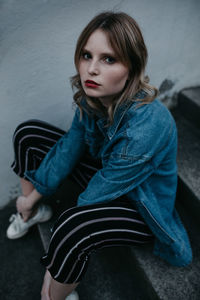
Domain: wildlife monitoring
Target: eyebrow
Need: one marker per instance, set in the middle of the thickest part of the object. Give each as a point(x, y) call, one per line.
point(103, 54)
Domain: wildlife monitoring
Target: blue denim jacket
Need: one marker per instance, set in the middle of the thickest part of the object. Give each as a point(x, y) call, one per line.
point(138, 153)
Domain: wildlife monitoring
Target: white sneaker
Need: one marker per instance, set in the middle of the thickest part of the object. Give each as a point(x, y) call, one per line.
point(18, 227)
point(73, 296)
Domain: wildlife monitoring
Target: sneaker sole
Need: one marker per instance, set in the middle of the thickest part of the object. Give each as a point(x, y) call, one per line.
point(13, 237)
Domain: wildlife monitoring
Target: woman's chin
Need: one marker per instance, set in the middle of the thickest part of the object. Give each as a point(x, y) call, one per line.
point(92, 94)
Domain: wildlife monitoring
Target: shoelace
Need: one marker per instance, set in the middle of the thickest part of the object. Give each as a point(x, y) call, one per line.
point(16, 220)
point(12, 218)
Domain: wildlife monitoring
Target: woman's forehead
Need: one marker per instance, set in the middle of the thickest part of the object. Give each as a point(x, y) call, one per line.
point(99, 39)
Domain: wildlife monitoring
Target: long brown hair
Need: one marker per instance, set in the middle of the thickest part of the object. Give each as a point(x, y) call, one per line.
point(127, 42)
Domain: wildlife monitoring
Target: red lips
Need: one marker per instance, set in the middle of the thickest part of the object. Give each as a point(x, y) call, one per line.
point(91, 83)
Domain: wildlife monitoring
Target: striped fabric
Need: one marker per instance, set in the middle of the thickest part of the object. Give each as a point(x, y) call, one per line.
point(82, 230)
point(79, 231)
point(32, 140)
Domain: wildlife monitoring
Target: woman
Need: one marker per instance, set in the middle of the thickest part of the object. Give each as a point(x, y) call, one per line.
point(121, 148)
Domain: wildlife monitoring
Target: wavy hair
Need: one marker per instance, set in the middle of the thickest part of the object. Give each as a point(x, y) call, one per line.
point(127, 42)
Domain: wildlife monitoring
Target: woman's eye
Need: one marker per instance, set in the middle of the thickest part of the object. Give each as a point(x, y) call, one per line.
point(109, 59)
point(86, 55)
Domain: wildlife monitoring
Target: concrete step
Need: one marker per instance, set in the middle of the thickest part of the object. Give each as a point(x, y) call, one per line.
point(189, 104)
point(188, 160)
point(166, 281)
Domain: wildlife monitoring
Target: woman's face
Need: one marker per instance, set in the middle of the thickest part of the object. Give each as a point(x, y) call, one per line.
point(102, 74)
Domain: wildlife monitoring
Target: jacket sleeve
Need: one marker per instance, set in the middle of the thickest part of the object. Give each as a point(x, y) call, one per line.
point(117, 178)
point(60, 160)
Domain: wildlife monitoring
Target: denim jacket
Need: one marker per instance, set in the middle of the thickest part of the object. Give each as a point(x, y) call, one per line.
point(138, 154)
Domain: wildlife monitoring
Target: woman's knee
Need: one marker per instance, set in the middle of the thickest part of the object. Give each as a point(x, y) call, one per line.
point(26, 124)
point(23, 130)
point(69, 219)
point(71, 230)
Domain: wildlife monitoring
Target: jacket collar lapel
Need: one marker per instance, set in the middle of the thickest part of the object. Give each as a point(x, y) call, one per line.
point(119, 114)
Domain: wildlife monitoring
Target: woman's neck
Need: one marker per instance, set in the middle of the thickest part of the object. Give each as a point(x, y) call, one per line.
point(105, 101)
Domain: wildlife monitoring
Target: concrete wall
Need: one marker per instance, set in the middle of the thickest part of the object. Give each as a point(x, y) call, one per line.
point(37, 40)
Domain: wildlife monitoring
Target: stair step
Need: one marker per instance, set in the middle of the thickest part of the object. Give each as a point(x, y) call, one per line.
point(189, 104)
point(188, 160)
point(169, 282)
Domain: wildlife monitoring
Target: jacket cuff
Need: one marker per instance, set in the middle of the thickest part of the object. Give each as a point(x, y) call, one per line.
point(43, 190)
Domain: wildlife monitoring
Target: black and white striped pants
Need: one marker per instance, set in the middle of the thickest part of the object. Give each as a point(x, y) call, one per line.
point(79, 230)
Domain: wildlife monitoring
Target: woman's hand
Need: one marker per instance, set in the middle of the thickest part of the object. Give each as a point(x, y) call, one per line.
point(24, 207)
point(45, 292)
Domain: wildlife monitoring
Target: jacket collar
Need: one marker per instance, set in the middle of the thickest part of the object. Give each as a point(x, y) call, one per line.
point(118, 116)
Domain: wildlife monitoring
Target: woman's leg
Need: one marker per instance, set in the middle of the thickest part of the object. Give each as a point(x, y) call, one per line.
point(31, 141)
point(58, 291)
point(26, 186)
point(82, 230)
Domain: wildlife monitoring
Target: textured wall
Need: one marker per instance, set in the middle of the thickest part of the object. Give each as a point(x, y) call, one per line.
point(37, 40)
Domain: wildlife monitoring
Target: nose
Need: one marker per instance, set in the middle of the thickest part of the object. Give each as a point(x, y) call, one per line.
point(93, 68)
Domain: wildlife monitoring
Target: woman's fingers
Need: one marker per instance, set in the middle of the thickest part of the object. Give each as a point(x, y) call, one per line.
point(26, 215)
